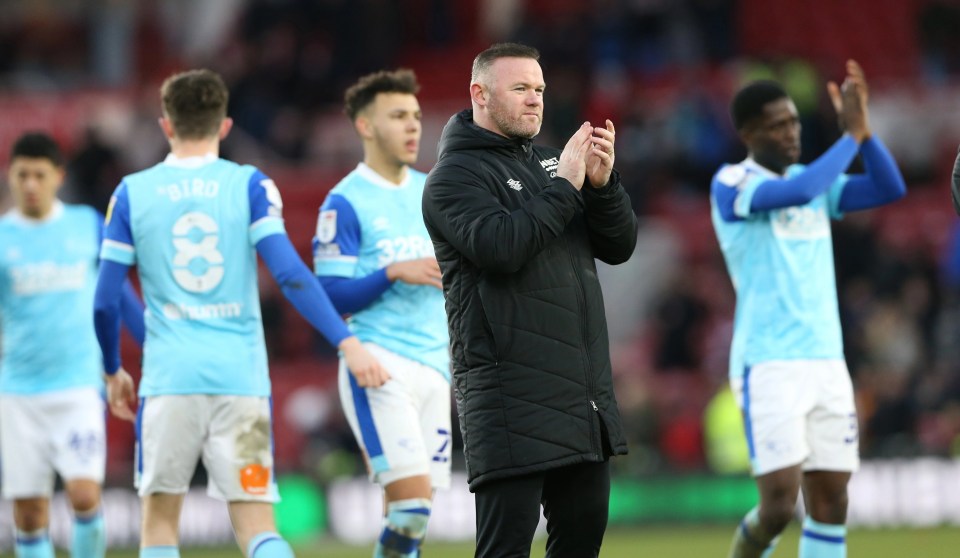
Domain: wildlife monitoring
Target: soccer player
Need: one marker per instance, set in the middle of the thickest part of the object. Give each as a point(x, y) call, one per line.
point(51, 402)
point(375, 259)
point(190, 224)
point(771, 217)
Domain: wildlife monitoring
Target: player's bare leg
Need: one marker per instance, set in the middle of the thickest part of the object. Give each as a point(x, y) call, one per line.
point(824, 528)
point(408, 506)
point(32, 517)
point(757, 534)
point(89, 535)
point(161, 520)
point(256, 530)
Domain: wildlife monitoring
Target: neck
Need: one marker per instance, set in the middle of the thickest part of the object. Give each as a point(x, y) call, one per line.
point(37, 214)
point(184, 148)
point(769, 164)
point(389, 169)
point(481, 119)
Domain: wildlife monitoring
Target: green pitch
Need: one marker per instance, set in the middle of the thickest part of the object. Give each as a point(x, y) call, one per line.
point(657, 542)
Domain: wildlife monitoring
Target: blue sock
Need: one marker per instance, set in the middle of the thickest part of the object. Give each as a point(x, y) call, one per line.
point(269, 545)
point(89, 537)
point(159, 552)
point(33, 544)
point(822, 540)
point(404, 528)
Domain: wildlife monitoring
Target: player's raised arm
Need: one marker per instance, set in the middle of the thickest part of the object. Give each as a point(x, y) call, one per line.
point(882, 182)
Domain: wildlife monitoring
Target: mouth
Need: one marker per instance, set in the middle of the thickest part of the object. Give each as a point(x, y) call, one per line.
point(412, 146)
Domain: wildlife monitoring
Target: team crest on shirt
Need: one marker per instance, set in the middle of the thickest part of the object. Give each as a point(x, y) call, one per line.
point(327, 226)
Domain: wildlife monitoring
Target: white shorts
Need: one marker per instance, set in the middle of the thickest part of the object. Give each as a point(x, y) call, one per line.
point(61, 431)
point(799, 412)
point(403, 426)
point(231, 433)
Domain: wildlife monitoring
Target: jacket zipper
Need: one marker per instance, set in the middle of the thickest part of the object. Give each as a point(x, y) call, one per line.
point(581, 303)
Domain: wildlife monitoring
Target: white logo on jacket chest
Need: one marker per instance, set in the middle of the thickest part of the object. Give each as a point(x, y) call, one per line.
point(515, 184)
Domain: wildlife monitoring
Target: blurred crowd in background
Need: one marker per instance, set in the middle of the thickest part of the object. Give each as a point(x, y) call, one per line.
point(663, 70)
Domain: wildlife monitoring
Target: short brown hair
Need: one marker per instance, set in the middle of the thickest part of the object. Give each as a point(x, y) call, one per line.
point(195, 101)
point(361, 94)
point(500, 50)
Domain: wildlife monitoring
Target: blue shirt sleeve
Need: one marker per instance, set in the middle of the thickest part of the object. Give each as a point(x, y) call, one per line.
point(301, 288)
point(336, 244)
point(106, 312)
point(266, 207)
point(881, 184)
point(817, 178)
point(350, 296)
point(117, 245)
point(732, 189)
point(131, 307)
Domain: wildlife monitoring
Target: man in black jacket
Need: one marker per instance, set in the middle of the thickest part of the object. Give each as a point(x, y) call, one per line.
point(516, 228)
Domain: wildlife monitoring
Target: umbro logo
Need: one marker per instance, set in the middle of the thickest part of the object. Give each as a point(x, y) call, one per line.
point(515, 184)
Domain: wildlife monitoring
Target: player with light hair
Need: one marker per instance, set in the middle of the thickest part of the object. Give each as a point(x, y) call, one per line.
point(375, 259)
point(193, 225)
point(51, 403)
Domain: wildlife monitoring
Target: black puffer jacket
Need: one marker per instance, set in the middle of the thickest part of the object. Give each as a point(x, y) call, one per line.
point(516, 245)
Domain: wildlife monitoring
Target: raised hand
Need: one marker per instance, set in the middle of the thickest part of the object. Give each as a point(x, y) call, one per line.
point(121, 396)
point(422, 271)
point(601, 156)
point(850, 102)
point(365, 367)
point(572, 164)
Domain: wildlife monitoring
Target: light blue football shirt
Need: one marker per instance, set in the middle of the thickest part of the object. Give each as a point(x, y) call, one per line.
point(190, 225)
point(48, 275)
point(781, 265)
point(366, 224)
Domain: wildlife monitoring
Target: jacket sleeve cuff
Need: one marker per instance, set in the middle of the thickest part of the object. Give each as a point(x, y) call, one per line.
point(610, 190)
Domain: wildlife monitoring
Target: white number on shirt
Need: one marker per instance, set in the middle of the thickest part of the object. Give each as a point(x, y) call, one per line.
point(190, 248)
point(401, 249)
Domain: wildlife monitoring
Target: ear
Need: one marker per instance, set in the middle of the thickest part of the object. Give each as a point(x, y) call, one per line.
point(364, 127)
point(478, 95)
point(61, 176)
point(225, 128)
point(166, 126)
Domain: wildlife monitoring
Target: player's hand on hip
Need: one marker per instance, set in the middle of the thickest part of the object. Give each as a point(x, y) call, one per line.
point(572, 164)
point(422, 271)
point(364, 366)
point(121, 396)
point(601, 155)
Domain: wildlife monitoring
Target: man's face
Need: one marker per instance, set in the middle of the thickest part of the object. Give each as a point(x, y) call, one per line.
point(34, 182)
point(395, 129)
point(514, 91)
point(773, 139)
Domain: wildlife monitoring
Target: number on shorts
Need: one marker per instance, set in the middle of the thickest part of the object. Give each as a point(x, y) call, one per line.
point(441, 455)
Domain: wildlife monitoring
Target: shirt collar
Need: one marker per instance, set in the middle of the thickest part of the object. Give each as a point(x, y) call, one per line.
point(194, 162)
point(56, 210)
point(375, 178)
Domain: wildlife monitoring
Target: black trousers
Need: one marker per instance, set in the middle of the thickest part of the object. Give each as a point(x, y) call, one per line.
point(575, 502)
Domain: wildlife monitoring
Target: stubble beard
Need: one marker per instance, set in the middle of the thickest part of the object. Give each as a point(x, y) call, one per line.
point(512, 128)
